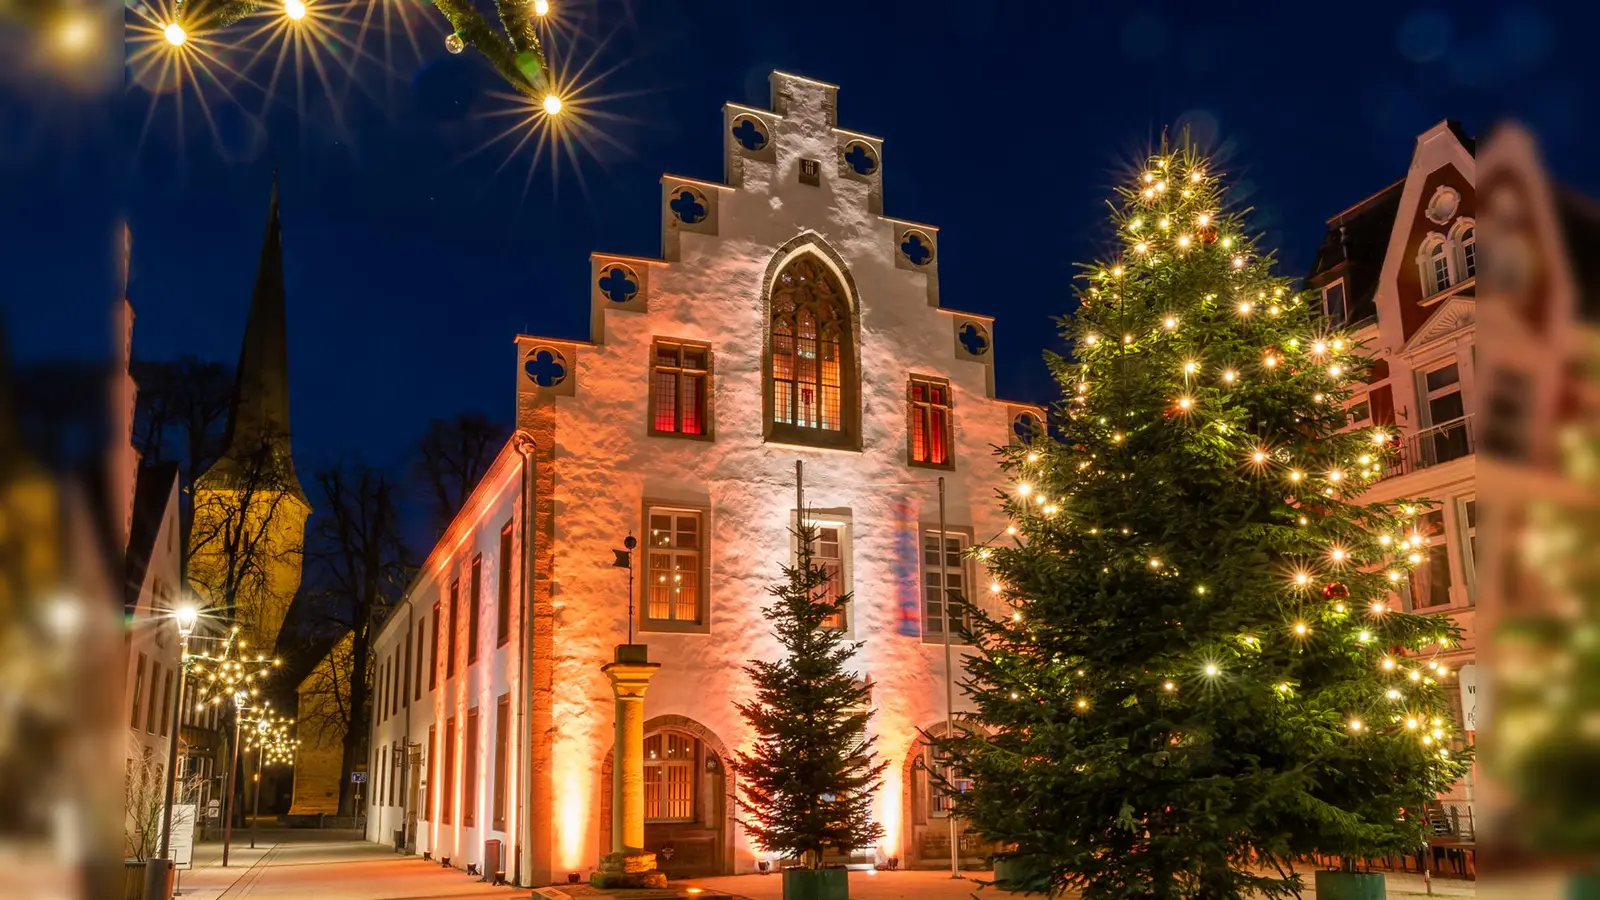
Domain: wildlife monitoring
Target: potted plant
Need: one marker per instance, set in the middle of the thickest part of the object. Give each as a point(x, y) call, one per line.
point(806, 786)
point(145, 797)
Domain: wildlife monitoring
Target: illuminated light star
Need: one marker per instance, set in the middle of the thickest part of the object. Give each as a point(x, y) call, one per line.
point(551, 104)
point(294, 9)
point(541, 7)
point(175, 34)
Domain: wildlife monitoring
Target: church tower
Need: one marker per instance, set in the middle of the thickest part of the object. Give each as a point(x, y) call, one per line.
point(250, 512)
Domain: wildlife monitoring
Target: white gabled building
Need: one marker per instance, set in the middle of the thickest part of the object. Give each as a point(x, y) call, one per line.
point(788, 320)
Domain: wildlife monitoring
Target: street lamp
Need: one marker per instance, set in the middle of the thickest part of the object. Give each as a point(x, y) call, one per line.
point(186, 616)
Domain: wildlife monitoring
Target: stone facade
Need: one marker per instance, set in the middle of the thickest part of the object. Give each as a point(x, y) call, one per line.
point(674, 423)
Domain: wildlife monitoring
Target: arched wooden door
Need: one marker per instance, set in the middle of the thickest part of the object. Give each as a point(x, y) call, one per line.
point(688, 817)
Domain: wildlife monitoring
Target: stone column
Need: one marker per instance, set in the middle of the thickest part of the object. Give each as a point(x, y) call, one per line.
point(628, 865)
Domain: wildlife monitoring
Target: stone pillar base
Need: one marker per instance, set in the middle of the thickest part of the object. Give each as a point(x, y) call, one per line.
point(629, 869)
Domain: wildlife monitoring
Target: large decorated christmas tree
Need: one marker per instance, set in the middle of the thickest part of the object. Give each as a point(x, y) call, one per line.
point(1204, 673)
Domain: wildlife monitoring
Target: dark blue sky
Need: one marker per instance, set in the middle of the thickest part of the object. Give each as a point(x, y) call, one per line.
point(411, 263)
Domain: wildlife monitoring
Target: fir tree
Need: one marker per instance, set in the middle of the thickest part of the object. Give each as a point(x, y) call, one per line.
point(808, 783)
point(1205, 675)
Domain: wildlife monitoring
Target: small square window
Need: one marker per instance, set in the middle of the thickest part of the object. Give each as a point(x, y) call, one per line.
point(1360, 412)
point(810, 172)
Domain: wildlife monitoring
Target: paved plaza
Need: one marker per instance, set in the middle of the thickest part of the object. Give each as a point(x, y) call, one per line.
point(333, 865)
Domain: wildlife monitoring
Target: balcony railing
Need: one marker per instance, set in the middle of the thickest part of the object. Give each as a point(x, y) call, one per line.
point(1431, 446)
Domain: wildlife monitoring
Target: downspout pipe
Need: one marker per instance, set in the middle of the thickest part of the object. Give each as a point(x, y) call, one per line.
point(524, 838)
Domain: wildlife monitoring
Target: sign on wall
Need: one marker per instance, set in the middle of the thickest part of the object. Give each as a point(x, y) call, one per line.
point(1468, 676)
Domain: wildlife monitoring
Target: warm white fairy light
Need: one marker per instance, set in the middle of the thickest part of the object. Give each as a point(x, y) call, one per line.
point(1164, 222)
point(1394, 576)
point(1169, 323)
point(1183, 240)
point(1270, 361)
point(1091, 339)
point(1355, 725)
point(1245, 307)
point(1127, 339)
point(1388, 664)
point(1392, 694)
point(1335, 475)
point(1211, 670)
point(1238, 262)
point(1168, 686)
point(1141, 247)
point(1319, 348)
point(1203, 219)
point(1229, 376)
point(1155, 563)
point(1259, 457)
point(1301, 628)
point(1024, 489)
point(1364, 636)
point(1184, 403)
point(1296, 475)
point(1335, 371)
point(1301, 578)
point(1339, 554)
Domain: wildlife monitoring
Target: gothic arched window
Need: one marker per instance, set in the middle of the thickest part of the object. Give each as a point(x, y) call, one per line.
point(810, 359)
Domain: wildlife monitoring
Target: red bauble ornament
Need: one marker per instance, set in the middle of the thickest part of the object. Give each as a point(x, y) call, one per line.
point(1207, 235)
point(1335, 591)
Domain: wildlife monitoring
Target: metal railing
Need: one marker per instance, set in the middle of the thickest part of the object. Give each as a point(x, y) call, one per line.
point(1442, 443)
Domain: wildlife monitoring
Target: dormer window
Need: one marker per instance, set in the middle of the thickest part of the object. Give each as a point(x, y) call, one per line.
point(1333, 303)
point(1438, 269)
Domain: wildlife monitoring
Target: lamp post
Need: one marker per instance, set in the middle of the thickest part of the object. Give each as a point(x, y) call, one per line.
point(158, 871)
point(186, 617)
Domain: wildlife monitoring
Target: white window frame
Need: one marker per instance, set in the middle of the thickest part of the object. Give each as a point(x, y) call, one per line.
point(1435, 248)
point(1467, 556)
point(924, 570)
point(1344, 290)
point(846, 566)
point(1426, 395)
point(1463, 243)
point(1438, 543)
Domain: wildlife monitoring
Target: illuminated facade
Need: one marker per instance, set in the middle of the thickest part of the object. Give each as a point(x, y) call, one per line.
point(787, 320)
point(1400, 269)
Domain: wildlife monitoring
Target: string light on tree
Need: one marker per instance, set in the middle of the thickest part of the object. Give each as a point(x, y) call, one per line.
point(1199, 438)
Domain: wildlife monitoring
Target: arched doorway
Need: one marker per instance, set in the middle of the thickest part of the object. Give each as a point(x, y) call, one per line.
point(928, 815)
point(688, 799)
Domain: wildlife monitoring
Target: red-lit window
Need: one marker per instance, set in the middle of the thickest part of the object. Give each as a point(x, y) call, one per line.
point(447, 813)
point(809, 359)
point(673, 586)
point(679, 377)
point(930, 422)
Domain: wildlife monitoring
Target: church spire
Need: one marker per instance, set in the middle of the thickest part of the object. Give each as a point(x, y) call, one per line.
point(260, 409)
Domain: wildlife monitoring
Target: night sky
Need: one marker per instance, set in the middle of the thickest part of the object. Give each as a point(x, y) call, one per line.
point(412, 261)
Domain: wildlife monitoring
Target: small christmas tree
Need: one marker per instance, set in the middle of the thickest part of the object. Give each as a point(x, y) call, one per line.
point(808, 783)
point(1204, 676)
